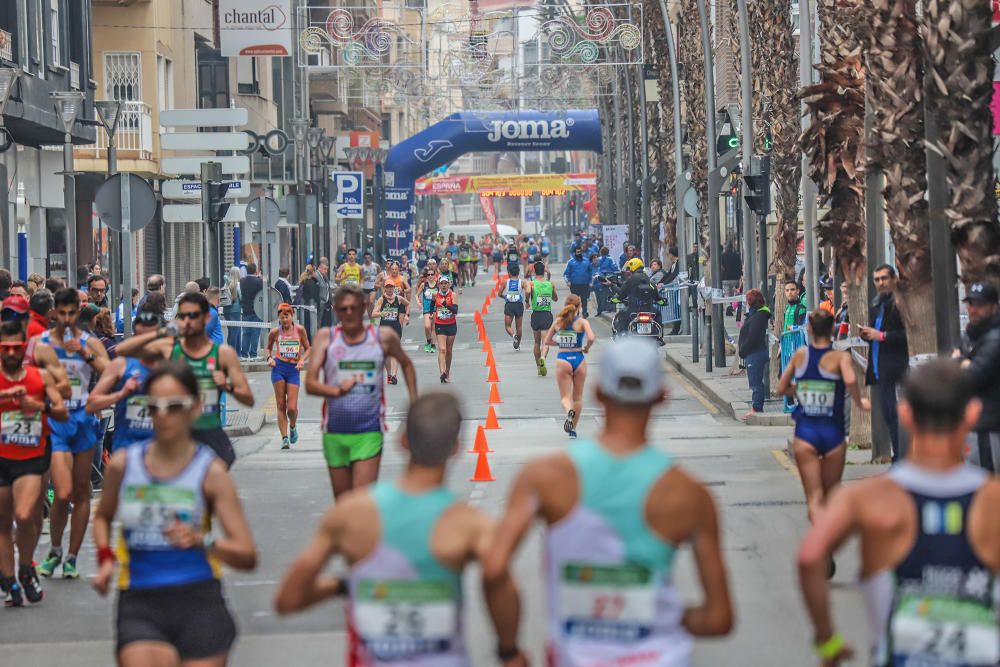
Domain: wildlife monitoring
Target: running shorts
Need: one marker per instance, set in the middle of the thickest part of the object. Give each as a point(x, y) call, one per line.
point(446, 329)
point(216, 440)
point(513, 309)
point(75, 435)
point(823, 435)
point(284, 371)
point(192, 618)
point(541, 320)
point(574, 359)
point(342, 449)
point(395, 326)
point(11, 471)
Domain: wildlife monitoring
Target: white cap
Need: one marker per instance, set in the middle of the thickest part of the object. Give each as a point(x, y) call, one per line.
point(631, 371)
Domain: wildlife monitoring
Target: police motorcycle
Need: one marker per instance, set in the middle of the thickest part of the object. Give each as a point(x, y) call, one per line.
point(641, 317)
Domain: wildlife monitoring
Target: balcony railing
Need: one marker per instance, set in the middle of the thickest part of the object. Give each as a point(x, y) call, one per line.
point(74, 76)
point(6, 46)
point(134, 138)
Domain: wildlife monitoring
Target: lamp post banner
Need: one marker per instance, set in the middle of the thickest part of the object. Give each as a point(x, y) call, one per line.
point(475, 131)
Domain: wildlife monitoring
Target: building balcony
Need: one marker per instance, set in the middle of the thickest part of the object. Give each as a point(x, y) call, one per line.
point(6, 47)
point(133, 139)
point(118, 3)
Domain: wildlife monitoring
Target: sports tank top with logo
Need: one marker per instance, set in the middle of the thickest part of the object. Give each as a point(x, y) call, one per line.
point(289, 346)
point(406, 606)
point(443, 314)
point(568, 338)
point(821, 394)
point(369, 275)
point(512, 292)
point(351, 274)
point(938, 606)
point(611, 600)
point(211, 416)
point(133, 423)
point(81, 375)
point(23, 436)
point(427, 296)
point(362, 409)
point(391, 311)
point(146, 507)
point(541, 296)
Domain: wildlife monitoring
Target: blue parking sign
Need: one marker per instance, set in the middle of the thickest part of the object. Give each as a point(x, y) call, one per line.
point(350, 202)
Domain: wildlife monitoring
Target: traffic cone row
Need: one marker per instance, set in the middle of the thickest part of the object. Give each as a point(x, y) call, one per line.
point(481, 447)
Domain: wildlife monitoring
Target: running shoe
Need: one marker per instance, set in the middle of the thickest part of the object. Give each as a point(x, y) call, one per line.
point(542, 371)
point(293, 435)
point(48, 566)
point(444, 378)
point(568, 424)
point(434, 348)
point(517, 342)
point(571, 434)
point(284, 443)
point(427, 347)
point(69, 569)
point(32, 587)
point(14, 597)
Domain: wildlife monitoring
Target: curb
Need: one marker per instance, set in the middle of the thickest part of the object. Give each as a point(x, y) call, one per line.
point(246, 423)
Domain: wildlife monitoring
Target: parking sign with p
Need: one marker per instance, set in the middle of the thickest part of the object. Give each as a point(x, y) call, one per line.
point(350, 202)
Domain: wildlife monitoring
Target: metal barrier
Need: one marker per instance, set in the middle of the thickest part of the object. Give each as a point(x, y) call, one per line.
point(671, 311)
point(791, 340)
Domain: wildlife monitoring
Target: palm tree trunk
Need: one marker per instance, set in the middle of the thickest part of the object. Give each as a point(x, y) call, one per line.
point(689, 52)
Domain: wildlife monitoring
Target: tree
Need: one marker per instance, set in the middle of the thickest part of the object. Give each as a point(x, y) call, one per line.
point(691, 57)
point(661, 128)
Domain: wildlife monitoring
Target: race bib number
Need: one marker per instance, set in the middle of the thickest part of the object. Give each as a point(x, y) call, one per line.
point(405, 619)
point(365, 374)
point(148, 509)
point(428, 294)
point(816, 397)
point(543, 302)
point(445, 314)
point(390, 315)
point(137, 414)
point(78, 383)
point(289, 348)
point(945, 631)
point(22, 430)
point(513, 297)
point(606, 603)
point(209, 396)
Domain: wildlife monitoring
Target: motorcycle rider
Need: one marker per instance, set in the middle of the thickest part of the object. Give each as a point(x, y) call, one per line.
point(638, 295)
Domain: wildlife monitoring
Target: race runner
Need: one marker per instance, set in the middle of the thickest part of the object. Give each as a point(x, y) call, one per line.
point(407, 543)
point(394, 273)
point(818, 377)
point(464, 262)
point(474, 262)
point(445, 326)
point(425, 289)
point(292, 343)
point(349, 273)
point(73, 440)
point(24, 460)
point(393, 312)
point(351, 357)
point(513, 307)
point(497, 257)
point(617, 510)
point(369, 280)
point(38, 354)
point(171, 610)
point(123, 386)
point(569, 332)
point(513, 256)
point(216, 367)
point(541, 294)
point(929, 540)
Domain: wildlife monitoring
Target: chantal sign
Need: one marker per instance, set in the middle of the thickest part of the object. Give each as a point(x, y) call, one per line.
point(529, 130)
point(255, 27)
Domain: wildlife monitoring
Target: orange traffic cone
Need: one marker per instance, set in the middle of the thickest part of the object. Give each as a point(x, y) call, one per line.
point(490, 361)
point(491, 419)
point(483, 473)
point(493, 374)
point(486, 343)
point(480, 446)
point(485, 308)
point(494, 394)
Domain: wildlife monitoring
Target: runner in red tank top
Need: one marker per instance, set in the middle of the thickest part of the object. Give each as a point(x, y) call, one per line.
point(28, 397)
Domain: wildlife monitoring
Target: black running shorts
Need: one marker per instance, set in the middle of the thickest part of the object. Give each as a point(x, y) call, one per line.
point(515, 309)
point(216, 440)
point(446, 329)
point(541, 320)
point(11, 471)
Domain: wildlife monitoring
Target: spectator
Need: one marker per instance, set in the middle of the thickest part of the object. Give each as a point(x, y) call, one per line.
point(842, 318)
point(5, 282)
point(36, 281)
point(213, 328)
point(325, 291)
point(283, 286)
point(309, 296)
point(250, 287)
point(97, 291)
point(657, 274)
point(980, 353)
point(156, 283)
point(732, 268)
point(595, 284)
point(341, 254)
point(156, 303)
point(629, 253)
point(19, 288)
point(605, 267)
point(579, 274)
point(97, 322)
point(888, 356)
point(120, 311)
point(694, 263)
point(203, 284)
point(41, 304)
point(82, 274)
point(753, 347)
point(795, 311)
point(232, 310)
point(53, 285)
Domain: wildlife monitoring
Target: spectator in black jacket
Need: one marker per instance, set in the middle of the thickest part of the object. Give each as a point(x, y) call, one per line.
point(888, 355)
point(283, 285)
point(753, 347)
point(250, 287)
point(981, 361)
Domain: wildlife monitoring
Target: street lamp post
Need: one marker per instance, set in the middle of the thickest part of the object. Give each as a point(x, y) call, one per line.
point(67, 104)
point(313, 137)
point(326, 146)
point(647, 222)
point(299, 127)
point(8, 79)
point(746, 94)
point(109, 113)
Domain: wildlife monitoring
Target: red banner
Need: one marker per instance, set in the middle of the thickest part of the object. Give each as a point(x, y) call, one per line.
point(507, 185)
point(489, 211)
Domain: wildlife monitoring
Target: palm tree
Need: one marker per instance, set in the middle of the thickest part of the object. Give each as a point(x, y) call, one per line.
point(957, 53)
point(661, 142)
point(689, 53)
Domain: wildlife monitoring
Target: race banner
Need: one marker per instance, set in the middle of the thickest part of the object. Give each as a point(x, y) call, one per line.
point(507, 185)
point(489, 211)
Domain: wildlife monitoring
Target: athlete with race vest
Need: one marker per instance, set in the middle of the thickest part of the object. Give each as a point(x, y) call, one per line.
point(513, 307)
point(349, 273)
point(393, 312)
point(287, 353)
point(369, 280)
point(929, 540)
point(407, 543)
point(165, 491)
point(445, 325)
point(73, 441)
point(123, 386)
point(351, 358)
point(425, 289)
point(616, 511)
point(541, 294)
point(572, 334)
point(29, 398)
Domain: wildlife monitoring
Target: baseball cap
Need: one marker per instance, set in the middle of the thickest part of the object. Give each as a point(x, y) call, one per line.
point(631, 371)
point(16, 304)
point(977, 293)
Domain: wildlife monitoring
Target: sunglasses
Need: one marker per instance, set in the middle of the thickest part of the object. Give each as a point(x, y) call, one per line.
point(100, 290)
point(172, 405)
point(187, 316)
point(347, 309)
point(12, 346)
point(147, 318)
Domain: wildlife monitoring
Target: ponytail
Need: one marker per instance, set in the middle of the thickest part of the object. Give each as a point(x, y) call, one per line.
point(565, 315)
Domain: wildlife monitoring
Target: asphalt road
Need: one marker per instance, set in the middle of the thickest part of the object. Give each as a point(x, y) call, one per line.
point(285, 492)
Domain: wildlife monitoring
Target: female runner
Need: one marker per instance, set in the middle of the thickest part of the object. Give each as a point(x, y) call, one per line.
point(393, 312)
point(445, 325)
point(426, 288)
point(171, 610)
point(569, 333)
point(293, 352)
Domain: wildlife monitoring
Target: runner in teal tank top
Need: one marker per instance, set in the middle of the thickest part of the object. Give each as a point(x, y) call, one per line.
point(407, 543)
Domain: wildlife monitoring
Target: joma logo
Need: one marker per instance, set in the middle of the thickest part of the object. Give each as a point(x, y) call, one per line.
point(529, 129)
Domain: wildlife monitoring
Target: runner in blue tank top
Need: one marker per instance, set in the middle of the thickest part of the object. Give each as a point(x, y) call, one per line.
point(406, 543)
point(929, 540)
point(572, 334)
point(513, 307)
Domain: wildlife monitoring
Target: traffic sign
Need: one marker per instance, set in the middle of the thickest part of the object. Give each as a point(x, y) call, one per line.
point(193, 213)
point(263, 209)
point(142, 203)
point(230, 117)
point(231, 164)
point(350, 200)
point(185, 189)
point(205, 141)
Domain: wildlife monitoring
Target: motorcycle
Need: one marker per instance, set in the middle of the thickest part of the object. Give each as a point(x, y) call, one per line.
point(643, 321)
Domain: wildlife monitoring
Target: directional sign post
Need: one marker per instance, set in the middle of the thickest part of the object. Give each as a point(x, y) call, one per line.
point(262, 216)
point(350, 199)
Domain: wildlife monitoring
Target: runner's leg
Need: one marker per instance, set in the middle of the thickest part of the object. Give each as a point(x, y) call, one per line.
point(564, 379)
point(215, 661)
point(451, 347)
point(365, 472)
point(832, 469)
point(808, 463)
point(282, 406)
point(81, 501)
point(292, 403)
point(537, 350)
point(519, 325)
point(341, 479)
point(27, 490)
point(62, 482)
point(148, 654)
point(6, 531)
point(579, 380)
point(442, 345)
point(507, 321)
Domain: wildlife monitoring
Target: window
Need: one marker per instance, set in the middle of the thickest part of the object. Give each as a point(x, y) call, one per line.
point(795, 18)
point(164, 84)
point(55, 33)
point(213, 78)
point(38, 39)
point(247, 76)
point(122, 76)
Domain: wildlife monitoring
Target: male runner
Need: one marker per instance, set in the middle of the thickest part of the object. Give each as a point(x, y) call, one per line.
point(38, 354)
point(352, 359)
point(513, 307)
point(24, 459)
point(929, 540)
point(513, 256)
point(464, 262)
point(393, 312)
point(407, 543)
point(349, 273)
point(216, 366)
point(541, 294)
point(617, 509)
point(83, 356)
point(369, 280)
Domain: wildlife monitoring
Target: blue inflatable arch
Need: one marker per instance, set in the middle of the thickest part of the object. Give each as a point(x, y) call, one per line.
point(470, 132)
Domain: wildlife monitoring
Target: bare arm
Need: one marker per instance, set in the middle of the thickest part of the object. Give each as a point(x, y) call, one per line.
point(500, 591)
point(304, 338)
point(45, 357)
point(590, 336)
point(147, 345)
point(549, 336)
point(271, 336)
point(522, 508)
point(392, 348)
point(241, 388)
point(235, 547)
point(100, 358)
point(103, 517)
point(57, 407)
point(304, 584)
point(101, 396)
point(714, 617)
point(315, 386)
point(377, 308)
